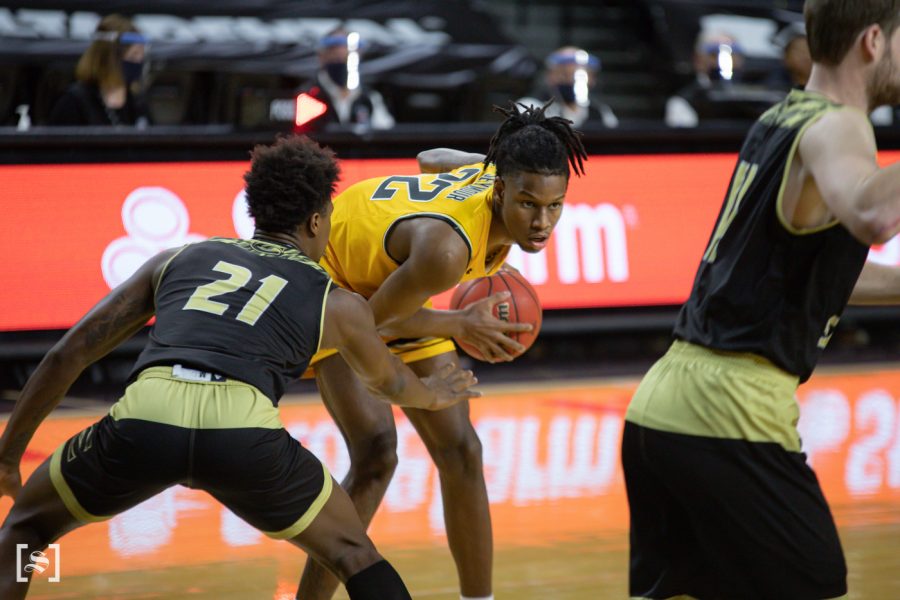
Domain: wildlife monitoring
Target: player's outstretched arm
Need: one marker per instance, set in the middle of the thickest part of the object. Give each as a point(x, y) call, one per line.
point(442, 160)
point(840, 152)
point(113, 320)
point(877, 285)
point(350, 327)
point(433, 258)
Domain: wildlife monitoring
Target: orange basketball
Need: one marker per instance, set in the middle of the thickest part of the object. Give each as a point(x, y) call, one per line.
point(522, 306)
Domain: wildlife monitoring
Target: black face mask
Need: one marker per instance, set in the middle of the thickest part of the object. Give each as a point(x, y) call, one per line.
point(132, 71)
point(337, 72)
point(566, 91)
point(715, 74)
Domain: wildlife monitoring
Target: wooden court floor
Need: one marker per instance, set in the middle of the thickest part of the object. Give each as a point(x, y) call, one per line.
point(551, 455)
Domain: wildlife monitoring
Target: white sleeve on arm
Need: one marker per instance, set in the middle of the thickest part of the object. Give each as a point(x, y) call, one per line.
point(381, 116)
point(679, 113)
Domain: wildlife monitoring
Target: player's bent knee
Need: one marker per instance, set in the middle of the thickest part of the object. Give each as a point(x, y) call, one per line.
point(376, 456)
point(354, 559)
point(462, 457)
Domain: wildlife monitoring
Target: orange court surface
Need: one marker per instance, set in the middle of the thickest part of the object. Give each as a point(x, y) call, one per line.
point(551, 456)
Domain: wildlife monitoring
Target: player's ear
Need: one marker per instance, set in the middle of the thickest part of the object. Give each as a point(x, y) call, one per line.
point(872, 40)
point(313, 224)
point(499, 186)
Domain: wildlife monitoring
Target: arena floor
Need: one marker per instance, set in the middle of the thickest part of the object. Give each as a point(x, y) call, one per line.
point(558, 503)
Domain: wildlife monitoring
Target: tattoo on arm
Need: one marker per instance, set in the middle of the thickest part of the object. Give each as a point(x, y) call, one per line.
point(125, 315)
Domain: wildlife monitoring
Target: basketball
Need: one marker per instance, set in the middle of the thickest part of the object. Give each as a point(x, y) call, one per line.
point(522, 306)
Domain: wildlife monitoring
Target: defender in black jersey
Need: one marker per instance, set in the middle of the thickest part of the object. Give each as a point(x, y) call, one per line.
point(235, 321)
point(723, 504)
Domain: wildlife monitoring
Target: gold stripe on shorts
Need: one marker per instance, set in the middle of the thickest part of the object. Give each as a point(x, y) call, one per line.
point(310, 515)
point(65, 492)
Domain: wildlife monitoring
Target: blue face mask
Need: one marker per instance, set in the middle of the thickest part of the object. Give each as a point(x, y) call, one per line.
point(132, 71)
point(566, 91)
point(337, 72)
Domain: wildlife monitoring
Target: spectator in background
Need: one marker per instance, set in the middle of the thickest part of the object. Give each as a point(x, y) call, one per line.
point(108, 79)
point(569, 80)
point(338, 84)
point(796, 62)
point(718, 60)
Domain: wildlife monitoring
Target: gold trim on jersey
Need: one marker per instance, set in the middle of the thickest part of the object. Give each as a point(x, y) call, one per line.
point(779, 202)
point(270, 249)
point(803, 109)
point(699, 391)
point(160, 397)
point(322, 314)
point(428, 215)
point(163, 272)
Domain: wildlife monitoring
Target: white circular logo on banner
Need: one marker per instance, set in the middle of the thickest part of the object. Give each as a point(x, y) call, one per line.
point(156, 220)
point(155, 214)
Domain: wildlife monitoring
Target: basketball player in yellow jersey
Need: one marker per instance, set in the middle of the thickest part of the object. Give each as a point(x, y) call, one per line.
point(400, 240)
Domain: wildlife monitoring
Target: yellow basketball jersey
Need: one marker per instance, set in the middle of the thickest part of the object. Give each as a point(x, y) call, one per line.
point(366, 212)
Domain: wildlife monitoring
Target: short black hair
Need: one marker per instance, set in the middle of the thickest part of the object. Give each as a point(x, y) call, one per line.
point(288, 181)
point(529, 141)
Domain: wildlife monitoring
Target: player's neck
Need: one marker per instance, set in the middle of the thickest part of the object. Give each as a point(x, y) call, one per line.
point(840, 84)
point(279, 238)
point(498, 236)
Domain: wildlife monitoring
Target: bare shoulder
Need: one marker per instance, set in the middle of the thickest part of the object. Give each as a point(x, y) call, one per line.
point(346, 304)
point(844, 128)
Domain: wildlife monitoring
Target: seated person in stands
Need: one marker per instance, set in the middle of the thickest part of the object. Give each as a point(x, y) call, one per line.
point(339, 86)
point(796, 61)
point(108, 79)
point(715, 92)
point(570, 80)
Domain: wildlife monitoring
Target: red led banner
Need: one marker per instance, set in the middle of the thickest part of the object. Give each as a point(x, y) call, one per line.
point(632, 232)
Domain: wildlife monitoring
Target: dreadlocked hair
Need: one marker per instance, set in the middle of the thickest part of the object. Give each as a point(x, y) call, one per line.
point(529, 141)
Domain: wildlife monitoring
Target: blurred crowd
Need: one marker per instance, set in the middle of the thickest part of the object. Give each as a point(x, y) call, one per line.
point(112, 78)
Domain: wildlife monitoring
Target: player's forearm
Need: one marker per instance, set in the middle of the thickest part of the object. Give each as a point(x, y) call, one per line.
point(442, 160)
point(878, 206)
point(403, 388)
point(43, 391)
point(877, 284)
point(425, 322)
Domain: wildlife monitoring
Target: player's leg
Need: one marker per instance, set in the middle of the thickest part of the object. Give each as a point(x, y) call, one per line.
point(37, 518)
point(337, 538)
point(456, 450)
point(367, 425)
point(96, 474)
point(271, 481)
point(665, 560)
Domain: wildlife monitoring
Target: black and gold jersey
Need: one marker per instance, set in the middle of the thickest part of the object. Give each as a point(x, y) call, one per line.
point(763, 286)
point(249, 310)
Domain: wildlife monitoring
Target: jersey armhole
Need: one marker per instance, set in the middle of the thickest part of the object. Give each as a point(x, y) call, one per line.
point(779, 201)
point(328, 288)
point(440, 217)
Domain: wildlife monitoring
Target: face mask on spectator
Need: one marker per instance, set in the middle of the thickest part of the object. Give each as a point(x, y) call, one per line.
point(132, 71)
point(566, 91)
point(337, 72)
